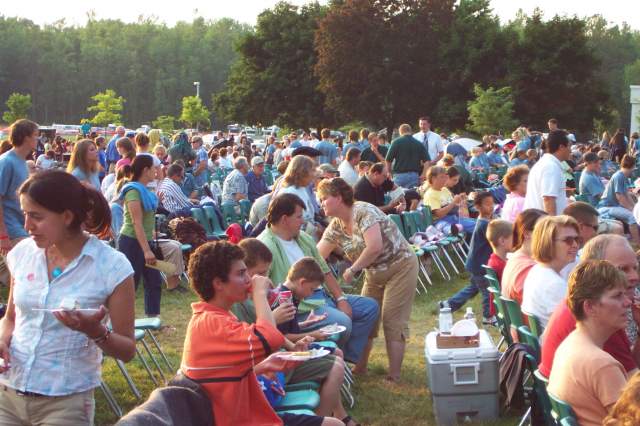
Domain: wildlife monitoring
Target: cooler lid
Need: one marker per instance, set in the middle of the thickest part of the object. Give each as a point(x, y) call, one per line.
point(486, 350)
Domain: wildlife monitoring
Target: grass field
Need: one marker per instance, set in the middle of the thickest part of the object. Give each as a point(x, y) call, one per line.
point(377, 403)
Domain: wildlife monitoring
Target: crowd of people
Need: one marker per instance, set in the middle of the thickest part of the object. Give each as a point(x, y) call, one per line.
point(555, 219)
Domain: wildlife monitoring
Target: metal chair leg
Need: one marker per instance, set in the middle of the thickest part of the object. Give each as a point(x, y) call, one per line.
point(153, 359)
point(157, 345)
point(436, 260)
point(128, 379)
point(111, 400)
point(453, 265)
point(146, 367)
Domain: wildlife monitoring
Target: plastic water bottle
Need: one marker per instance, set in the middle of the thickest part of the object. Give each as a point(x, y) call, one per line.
point(469, 315)
point(445, 319)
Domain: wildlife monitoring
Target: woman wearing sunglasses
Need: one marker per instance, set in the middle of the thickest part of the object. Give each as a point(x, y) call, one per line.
point(554, 245)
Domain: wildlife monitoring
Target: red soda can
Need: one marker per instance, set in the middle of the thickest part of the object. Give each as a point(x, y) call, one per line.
point(284, 296)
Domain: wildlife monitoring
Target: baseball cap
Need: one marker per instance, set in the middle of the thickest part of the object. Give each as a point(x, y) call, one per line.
point(257, 160)
point(327, 168)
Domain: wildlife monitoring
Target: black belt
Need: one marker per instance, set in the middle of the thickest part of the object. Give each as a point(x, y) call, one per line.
point(21, 393)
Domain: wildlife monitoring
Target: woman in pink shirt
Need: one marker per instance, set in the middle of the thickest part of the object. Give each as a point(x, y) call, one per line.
point(520, 261)
point(516, 183)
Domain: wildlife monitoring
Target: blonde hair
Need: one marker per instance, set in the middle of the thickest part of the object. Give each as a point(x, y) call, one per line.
point(159, 147)
point(497, 229)
point(544, 234)
point(154, 138)
point(626, 411)
point(300, 167)
point(79, 157)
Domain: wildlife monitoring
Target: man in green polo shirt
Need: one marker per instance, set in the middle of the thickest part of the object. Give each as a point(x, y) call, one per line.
point(407, 158)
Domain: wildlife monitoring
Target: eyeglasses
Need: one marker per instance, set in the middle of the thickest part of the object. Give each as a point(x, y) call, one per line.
point(570, 240)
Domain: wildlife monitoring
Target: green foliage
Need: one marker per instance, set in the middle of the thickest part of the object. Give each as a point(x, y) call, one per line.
point(552, 72)
point(194, 112)
point(491, 111)
point(273, 79)
point(166, 123)
point(107, 107)
point(150, 64)
point(19, 105)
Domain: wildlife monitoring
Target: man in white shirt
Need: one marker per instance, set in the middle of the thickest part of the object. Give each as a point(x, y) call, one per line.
point(431, 140)
point(347, 167)
point(546, 187)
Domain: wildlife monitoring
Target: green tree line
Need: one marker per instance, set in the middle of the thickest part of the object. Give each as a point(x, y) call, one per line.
point(152, 66)
point(379, 62)
point(384, 62)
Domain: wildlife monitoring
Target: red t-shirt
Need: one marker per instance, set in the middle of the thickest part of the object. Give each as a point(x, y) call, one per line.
point(498, 264)
point(562, 323)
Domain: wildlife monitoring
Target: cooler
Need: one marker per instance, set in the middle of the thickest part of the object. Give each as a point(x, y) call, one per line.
point(463, 382)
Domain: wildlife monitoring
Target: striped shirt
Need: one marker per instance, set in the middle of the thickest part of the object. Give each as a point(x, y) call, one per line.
point(171, 196)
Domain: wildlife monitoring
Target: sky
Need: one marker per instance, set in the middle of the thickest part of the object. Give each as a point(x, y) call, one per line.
point(246, 11)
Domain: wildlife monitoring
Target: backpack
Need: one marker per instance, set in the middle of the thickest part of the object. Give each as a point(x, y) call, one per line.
point(188, 231)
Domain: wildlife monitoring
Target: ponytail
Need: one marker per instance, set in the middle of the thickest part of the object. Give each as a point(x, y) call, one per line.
point(59, 191)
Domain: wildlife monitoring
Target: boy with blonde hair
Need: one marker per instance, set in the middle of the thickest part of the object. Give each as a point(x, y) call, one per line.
point(500, 237)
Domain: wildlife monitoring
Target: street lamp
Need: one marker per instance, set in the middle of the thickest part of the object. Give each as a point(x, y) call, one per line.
point(197, 84)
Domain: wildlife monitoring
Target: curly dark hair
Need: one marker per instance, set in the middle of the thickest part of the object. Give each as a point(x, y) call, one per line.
point(210, 261)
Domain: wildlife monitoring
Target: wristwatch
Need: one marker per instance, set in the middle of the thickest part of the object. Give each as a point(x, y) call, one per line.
point(341, 298)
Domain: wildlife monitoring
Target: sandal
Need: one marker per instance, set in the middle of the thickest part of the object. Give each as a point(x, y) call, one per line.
point(348, 420)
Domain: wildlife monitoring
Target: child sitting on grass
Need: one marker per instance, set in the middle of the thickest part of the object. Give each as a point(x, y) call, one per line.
point(479, 254)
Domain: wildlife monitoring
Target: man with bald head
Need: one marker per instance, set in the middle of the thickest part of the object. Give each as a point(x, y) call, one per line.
point(616, 250)
point(112, 151)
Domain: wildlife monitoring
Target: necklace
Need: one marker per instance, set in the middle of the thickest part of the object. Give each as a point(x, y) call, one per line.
point(57, 271)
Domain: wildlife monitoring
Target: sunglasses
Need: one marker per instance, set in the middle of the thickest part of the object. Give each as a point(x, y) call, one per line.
point(571, 240)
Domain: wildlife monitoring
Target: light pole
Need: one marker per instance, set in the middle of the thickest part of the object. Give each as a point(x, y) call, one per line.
point(197, 84)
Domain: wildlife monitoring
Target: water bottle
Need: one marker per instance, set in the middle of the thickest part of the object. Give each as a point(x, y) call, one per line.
point(445, 319)
point(468, 315)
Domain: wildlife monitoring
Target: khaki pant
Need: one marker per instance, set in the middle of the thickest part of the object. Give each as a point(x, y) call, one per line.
point(394, 290)
point(172, 252)
point(71, 410)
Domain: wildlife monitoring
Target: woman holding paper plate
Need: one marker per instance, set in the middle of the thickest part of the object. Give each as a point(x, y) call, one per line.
point(374, 244)
point(64, 284)
point(136, 235)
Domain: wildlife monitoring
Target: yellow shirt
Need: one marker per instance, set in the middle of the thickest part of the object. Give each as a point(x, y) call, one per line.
point(437, 199)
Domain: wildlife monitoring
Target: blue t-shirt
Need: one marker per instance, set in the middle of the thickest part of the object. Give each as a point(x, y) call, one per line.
point(516, 162)
point(92, 178)
point(523, 145)
point(480, 249)
point(102, 158)
point(328, 152)
point(13, 172)
point(256, 185)
point(619, 184)
point(112, 150)
point(188, 184)
point(496, 158)
point(480, 161)
point(295, 144)
point(591, 187)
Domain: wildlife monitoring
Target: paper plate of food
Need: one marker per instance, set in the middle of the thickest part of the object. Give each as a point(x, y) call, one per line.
point(304, 355)
point(328, 330)
point(68, 305)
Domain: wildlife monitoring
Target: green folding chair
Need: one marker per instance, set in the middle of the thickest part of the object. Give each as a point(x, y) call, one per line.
point(230, 214)
point(513, 312)
point(213, 219)
point(501, 317)
point(299, 400)
point(153, 324)
point(562, 412)
point(198, 215)
point(535, 326)
point(526, 337)
point(245, 210)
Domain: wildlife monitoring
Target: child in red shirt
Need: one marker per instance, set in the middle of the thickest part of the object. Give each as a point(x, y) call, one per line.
point(499, 234)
